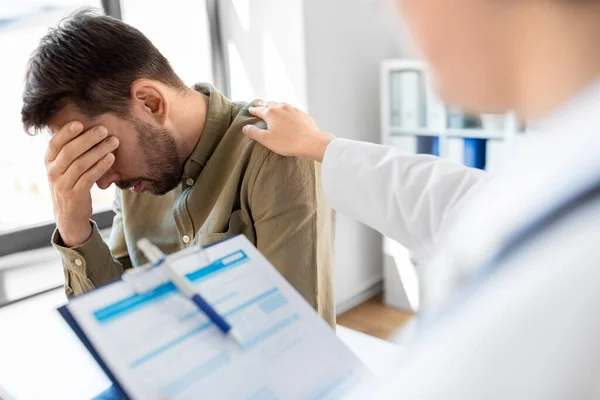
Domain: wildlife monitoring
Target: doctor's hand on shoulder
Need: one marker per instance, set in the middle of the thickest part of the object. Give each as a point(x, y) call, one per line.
point(290, 131)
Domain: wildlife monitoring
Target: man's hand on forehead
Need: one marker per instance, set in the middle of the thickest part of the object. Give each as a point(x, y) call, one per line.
point(75, 160)
point(68, 133)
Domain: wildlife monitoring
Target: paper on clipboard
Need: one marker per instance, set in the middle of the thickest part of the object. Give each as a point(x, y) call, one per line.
point(157, 344)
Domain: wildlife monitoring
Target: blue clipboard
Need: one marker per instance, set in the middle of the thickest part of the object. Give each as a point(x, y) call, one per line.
point(114, 393)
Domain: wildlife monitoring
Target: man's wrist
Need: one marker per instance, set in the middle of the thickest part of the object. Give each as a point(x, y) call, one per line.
point(73, 236)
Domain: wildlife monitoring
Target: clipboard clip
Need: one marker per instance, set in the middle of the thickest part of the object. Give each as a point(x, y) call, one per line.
point(148, 278)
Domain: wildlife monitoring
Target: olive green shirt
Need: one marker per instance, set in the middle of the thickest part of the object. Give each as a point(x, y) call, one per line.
point(231, 185)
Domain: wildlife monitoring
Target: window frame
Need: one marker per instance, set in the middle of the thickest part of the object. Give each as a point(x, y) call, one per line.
point(38, 236)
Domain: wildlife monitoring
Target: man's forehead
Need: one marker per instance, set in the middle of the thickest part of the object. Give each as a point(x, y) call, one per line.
point(69, 113)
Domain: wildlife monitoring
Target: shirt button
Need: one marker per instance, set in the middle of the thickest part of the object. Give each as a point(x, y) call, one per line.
point(186, 239)
point(189, 181)
point(78, 262)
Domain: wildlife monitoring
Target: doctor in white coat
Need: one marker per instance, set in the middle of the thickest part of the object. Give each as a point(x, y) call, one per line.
point(513, 299)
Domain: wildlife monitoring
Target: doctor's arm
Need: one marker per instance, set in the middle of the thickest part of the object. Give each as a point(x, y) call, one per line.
point(405, 197)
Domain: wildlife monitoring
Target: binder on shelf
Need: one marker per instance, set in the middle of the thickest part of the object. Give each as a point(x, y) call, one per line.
point(494, 154)
point(395, 98)
point(412, 105)
point(493, 122)
point(406, 144)
point(435, 108)
point(455, 145)
point(455, 149)
point(428, 145)
point(522, 126)
point(435, 148)
point(475, 153)
point(455, 118)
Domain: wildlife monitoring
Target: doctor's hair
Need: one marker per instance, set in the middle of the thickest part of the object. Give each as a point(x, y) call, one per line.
point(89, 60)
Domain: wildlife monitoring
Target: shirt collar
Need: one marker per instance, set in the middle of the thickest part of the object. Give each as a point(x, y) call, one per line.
point(218, 120)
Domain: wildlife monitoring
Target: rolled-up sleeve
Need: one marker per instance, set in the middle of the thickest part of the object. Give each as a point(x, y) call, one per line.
point(88, 265)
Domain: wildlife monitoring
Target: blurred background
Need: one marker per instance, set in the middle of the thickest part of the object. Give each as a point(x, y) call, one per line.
point(351, 65)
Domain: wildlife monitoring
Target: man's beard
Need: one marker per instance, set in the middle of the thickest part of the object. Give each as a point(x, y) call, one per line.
point(162, 158)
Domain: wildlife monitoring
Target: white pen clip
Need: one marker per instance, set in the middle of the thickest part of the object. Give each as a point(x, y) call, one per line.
point(185, 287)
point(204, 254)
point(146, 278)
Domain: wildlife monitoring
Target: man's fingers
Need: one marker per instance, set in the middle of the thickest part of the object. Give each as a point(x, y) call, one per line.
point(87, 180)
point(61, 138)
point(78, 167)
point(254, 132)
point(78, 147)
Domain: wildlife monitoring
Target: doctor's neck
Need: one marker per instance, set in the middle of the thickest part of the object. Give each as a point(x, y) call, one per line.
point(557, 53)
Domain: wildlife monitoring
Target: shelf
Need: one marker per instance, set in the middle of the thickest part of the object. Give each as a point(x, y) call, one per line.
point(402, 65)
point(452, 133)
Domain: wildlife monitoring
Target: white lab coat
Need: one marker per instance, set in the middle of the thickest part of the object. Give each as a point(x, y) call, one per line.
point(529, 331)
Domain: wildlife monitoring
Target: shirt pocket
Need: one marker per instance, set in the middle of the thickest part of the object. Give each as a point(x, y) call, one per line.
point(239, 224)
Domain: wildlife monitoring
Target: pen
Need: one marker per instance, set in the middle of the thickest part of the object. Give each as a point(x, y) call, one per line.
point(156, 257)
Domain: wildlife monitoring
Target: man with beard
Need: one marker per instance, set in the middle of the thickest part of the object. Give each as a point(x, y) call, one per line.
point(118, 113)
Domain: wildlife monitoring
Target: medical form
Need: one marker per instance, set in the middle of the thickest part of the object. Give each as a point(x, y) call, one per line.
point(157, 344)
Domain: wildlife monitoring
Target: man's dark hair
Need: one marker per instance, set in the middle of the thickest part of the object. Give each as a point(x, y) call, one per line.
point(90, 60)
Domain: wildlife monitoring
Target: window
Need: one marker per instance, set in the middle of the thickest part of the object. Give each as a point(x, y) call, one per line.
point(25, 199)
point(181, 33)
point(180, 30)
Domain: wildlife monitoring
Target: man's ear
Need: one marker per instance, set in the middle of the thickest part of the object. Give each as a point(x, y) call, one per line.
point(147, 96)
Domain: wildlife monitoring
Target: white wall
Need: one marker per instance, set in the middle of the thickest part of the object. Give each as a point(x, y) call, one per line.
point(165, 26)
point(327, 62)
point(265, 46)
point(345, 43)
